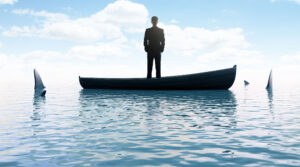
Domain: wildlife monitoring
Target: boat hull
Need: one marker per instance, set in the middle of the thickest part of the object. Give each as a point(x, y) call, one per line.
point(220, 79)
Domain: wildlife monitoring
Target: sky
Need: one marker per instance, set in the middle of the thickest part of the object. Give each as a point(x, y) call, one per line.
point(63, 39)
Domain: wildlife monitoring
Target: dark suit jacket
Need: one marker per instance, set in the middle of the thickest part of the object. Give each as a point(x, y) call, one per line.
point(154, 40)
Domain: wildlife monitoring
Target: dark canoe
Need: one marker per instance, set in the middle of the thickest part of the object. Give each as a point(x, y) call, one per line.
point(220, 79)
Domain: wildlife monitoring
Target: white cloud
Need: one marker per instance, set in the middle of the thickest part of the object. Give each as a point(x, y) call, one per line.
point(3, 59)
point(190, 40)
point(204, 49)
point(112, 22)
point(42, 55)
point(58, 67)
point(10, 2)
point(296, 1)
point(123, 13)
point(115, 21)
point(292, 58)
point(174, 21)
point(78, 53)
point(92, 52)
point(229, 12)
point(109, 30)
point(68, 9)
point(51, 17)
point(242, 57)
point(287, 69)
point(20, 31)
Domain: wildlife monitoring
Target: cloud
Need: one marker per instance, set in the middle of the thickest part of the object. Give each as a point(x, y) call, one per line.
point(242, 57)
point(190, 40)
point(173, 21)
point(51, 17)
point(296, 1)
point(287, 69)
point(123, 13)
point(116, 20)
point(93, 52)
point(10, 2)
point(78, 53)
point(229, 12)
point(68, 9)
point(201, 49)
point(15, 31)
point(3, 59)
point(41, 56)
point(292, 58)
point(65, 67)
point(116, 51)
point(112, 22)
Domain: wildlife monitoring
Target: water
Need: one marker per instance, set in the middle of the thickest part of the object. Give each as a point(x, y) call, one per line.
point(245, 126)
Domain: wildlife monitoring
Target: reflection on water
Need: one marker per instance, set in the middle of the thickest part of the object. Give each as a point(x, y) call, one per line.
point(151, 128)
point(270, 101)
point(38, 103)
point(37, 113)
point(218, 107)
point(153, 124)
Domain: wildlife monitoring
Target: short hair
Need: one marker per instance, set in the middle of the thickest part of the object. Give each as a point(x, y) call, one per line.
point(154, 19)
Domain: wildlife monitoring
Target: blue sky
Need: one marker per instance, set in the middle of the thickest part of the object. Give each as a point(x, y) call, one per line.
point(104, 38)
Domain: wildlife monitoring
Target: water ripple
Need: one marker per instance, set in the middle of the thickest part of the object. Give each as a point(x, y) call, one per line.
point(150, 128)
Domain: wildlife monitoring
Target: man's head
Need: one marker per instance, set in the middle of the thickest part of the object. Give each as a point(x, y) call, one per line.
point(154, 21)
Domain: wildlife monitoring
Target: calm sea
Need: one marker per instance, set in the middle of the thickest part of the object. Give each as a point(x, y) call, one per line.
point(244, 126)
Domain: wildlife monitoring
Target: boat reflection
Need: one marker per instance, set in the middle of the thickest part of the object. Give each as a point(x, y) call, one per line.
point(192, 109)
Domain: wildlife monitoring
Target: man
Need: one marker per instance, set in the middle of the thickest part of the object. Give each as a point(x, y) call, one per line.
point(154, 43)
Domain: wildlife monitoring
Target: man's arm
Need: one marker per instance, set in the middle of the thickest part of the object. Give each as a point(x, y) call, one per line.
point(146, 41)
point(162, 41)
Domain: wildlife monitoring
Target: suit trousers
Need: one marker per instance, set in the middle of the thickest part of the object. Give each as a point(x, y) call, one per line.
point(150, 57)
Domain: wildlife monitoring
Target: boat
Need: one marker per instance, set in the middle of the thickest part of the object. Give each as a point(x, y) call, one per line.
point(219, 79)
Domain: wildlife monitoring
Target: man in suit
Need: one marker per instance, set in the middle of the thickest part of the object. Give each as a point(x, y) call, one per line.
point(154, 43)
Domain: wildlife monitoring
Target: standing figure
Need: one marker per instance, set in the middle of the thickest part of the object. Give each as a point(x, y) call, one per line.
point(154, 43)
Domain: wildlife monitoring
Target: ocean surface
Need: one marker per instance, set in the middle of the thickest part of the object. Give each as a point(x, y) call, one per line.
point(243, 126)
